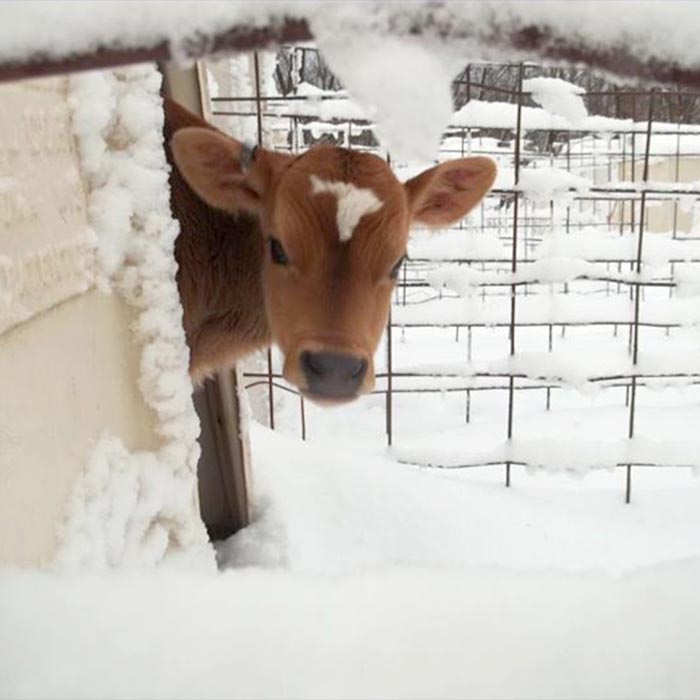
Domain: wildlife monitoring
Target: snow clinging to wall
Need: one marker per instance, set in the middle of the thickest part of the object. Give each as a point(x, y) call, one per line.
point(136, 509)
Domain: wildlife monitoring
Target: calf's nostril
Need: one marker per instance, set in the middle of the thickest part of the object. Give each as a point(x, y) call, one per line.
point(333, 373)
point(360, 369)
point(312, 364)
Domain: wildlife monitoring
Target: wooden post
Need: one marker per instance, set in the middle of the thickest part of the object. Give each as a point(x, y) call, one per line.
point(223, 466)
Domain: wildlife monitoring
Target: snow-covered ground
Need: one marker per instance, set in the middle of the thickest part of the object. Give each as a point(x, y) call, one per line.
point(409, 632)
point(364, 578)
point(335, 505)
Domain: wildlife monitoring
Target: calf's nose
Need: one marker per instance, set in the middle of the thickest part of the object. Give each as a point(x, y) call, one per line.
point(333, 374)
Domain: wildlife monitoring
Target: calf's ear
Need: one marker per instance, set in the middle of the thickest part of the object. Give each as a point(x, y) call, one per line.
point(222, 171)
point(444, 194)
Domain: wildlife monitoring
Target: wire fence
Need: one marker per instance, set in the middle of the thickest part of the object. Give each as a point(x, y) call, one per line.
point(612, 258)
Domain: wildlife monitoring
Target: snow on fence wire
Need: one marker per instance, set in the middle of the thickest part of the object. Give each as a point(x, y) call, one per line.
point(578, 275)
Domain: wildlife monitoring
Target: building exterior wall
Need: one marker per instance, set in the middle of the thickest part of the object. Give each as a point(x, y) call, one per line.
point(667, 216)
point(68, 365)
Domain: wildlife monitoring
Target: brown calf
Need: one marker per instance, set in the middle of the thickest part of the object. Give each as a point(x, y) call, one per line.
point(300, 250)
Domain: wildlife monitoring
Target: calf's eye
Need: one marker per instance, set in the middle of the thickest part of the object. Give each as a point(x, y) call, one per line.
point(277, 253)
point(395, 270)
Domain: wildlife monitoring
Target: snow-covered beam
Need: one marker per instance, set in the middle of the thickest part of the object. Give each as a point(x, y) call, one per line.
point(234, 39)
point(570, 33)
point(545, 45)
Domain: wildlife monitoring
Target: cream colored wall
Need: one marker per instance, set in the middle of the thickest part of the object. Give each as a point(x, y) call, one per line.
point(68, 367)
point(660, 217)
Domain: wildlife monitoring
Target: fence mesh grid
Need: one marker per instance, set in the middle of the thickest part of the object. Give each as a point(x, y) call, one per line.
point(569, 297)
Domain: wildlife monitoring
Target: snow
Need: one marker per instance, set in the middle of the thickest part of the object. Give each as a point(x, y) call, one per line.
point(597, 244)
point(570, 366)
point(133, 510)
point(399, 68)
point(662, 30)
point(400, 632)
point(337, 505)
point(388, 80)
point(547, 310)
point(337, 105)
point(557, 245)
point(561, 454)
point(465, 280)
point(55, 30)
point(558, 97)
point(124, 512)
point(543, 185)
point(232, 76)
point(430, 584)
point(504, 115)
point(352, 203)
point(477, 113)
point(440, 245)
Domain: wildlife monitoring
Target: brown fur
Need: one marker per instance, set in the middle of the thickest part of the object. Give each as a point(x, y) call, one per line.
point(333, 295)
point(219, 255)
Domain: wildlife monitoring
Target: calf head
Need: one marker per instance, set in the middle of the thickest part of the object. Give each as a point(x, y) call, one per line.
point(336, 226)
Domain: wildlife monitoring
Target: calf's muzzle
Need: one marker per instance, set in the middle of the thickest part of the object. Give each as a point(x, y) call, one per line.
point(333, 375)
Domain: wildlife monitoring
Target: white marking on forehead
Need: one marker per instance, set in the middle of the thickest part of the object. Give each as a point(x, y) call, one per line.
point(353, 203)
